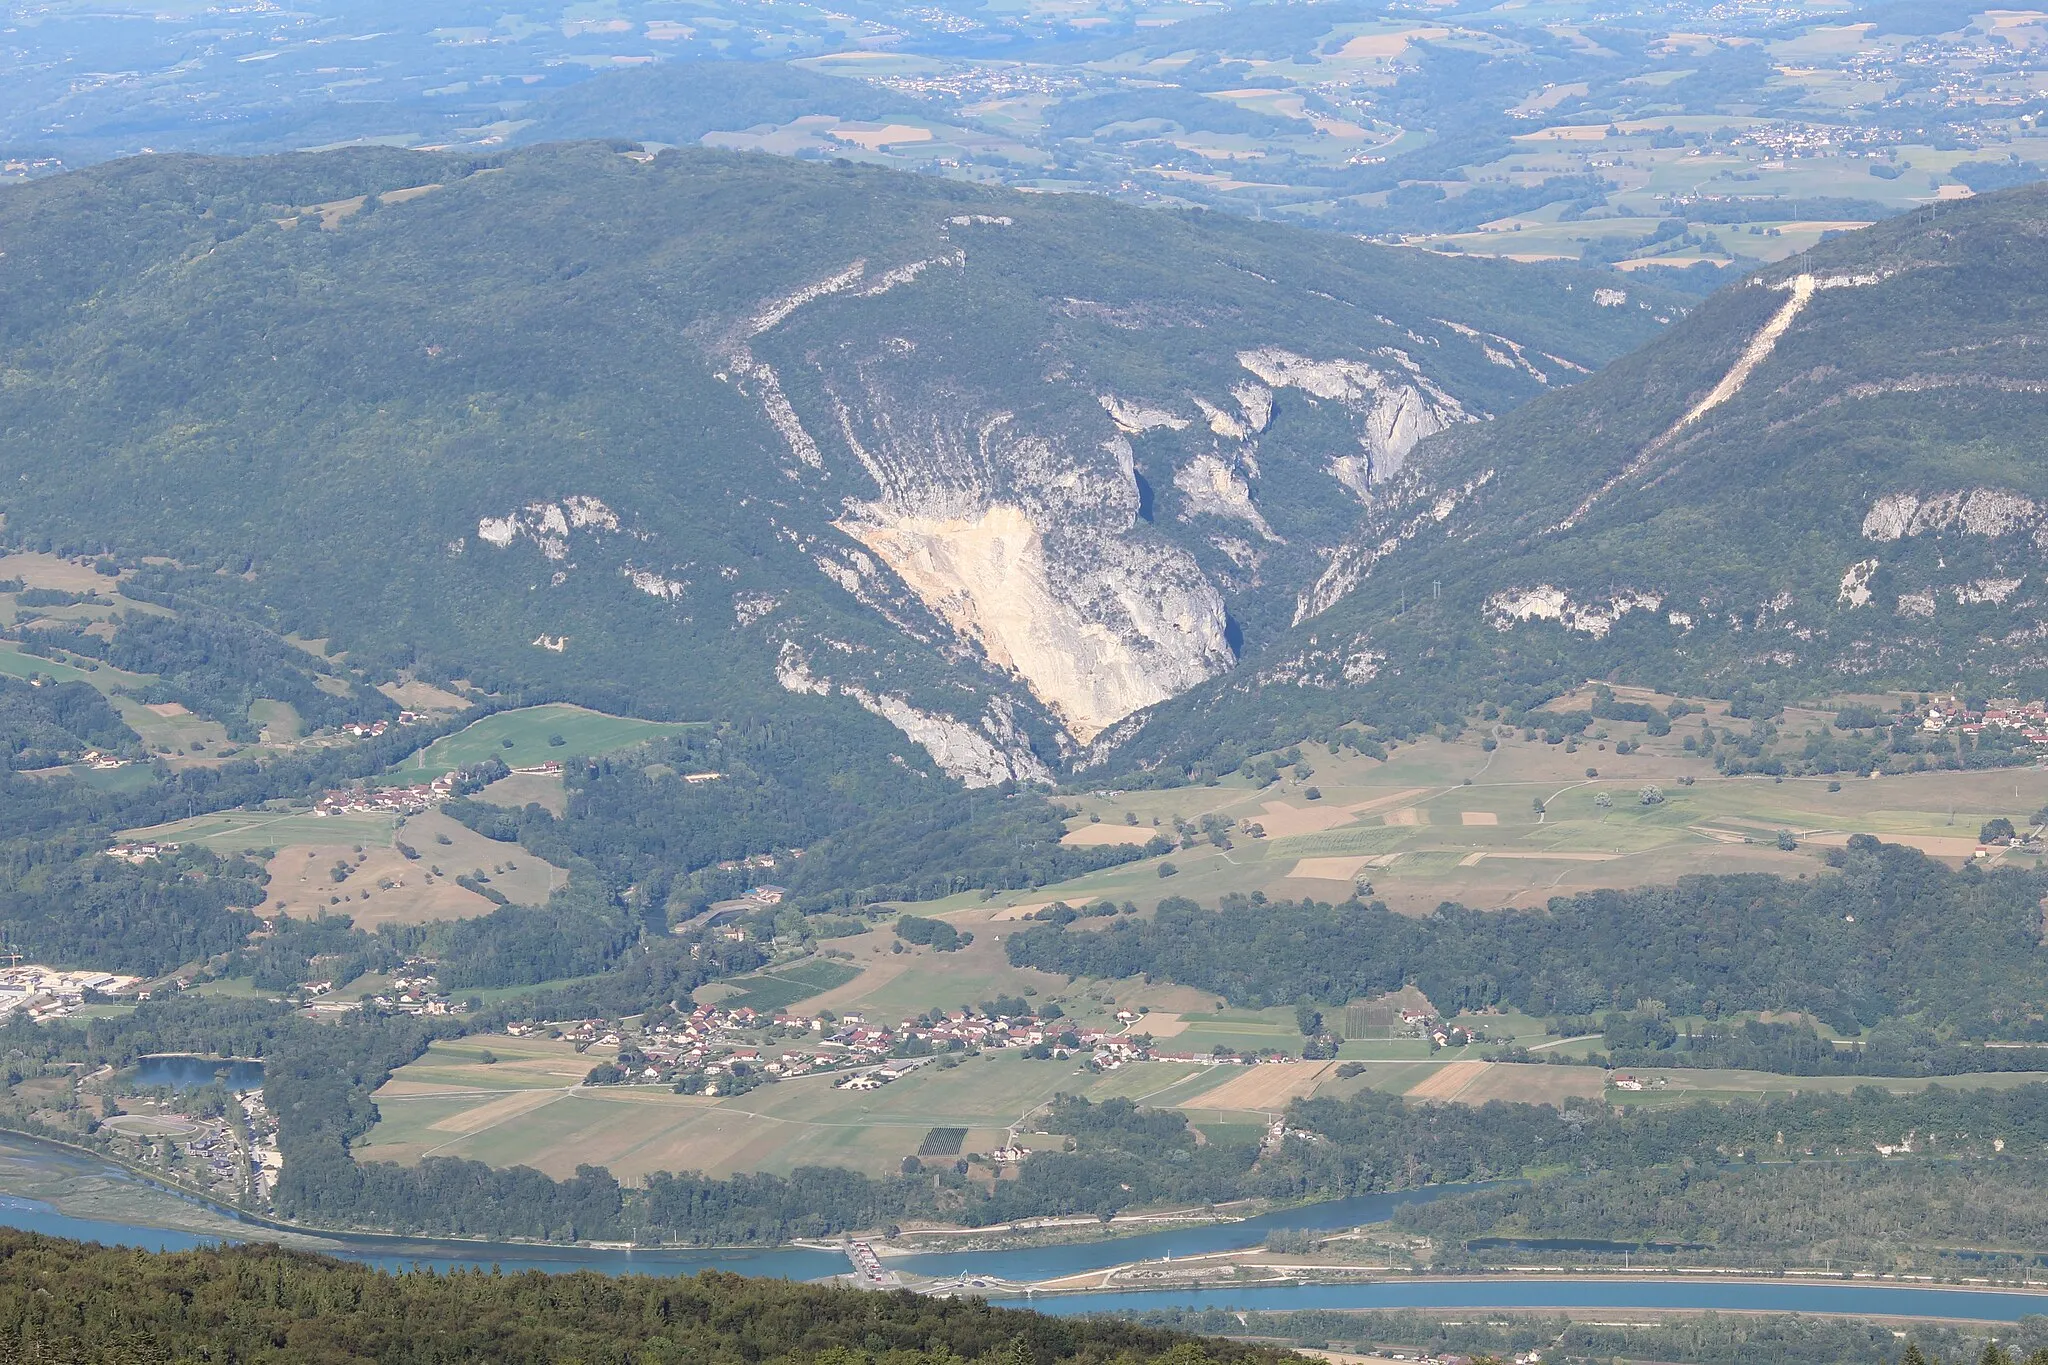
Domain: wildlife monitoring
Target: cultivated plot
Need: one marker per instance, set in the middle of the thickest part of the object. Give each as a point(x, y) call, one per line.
point(526, 737)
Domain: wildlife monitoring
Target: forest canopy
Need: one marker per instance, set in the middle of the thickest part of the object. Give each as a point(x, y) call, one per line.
point(1896, 934)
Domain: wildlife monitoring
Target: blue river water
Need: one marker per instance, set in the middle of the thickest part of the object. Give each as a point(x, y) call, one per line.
point(1032, 1263)
point(1681, 1293)
point(1044, 1263)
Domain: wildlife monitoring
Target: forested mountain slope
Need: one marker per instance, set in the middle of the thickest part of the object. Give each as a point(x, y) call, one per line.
point(661, 433)
point(1827, 476)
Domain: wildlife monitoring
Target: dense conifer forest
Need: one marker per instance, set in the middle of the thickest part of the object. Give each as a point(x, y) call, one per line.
point(67, 1303)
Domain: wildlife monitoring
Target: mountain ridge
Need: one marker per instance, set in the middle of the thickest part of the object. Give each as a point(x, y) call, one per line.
point(657, 430)
point(1792, 490)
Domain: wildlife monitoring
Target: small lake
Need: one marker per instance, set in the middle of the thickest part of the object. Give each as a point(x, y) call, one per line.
point(188, 1073)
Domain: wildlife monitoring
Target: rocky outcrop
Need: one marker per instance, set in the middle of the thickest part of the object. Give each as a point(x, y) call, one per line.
point(1855, 589)
point(986, 757)
point(1973, 511)
point(547, 524)
point(1544, 602)
point(1135, 419)
point(1215, 488)
point(1395, 405)
point(959, 749)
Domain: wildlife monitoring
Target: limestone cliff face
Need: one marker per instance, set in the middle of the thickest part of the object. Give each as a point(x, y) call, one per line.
point(1019, 531)
point(1097, 626)
point(1058, 499)
point(1395, 404)
point(1025, 540)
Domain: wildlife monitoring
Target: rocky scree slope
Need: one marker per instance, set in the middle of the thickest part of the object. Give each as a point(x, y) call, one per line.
point(665, 433)
point(1829, 474)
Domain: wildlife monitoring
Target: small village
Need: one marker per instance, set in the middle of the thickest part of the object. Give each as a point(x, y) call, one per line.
point(715, 1051)
point(416, 799)
point(221, 1146)
point(415, 993)
point(1942, 715)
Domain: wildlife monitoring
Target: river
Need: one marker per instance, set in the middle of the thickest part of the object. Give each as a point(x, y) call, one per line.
point(1048, 1263)
point(1676, 1292)
point(1034, 1263)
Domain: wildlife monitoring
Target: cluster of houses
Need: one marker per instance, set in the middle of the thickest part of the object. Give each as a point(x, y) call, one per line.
point(414, 800)
point(263, 1153)
point(416, 995)
point(419, 993)
point(753, 862)
point(218, 1154)
point(943, 1032)
point(716, 1045)
point(370, 729)
point(50, 993)
point(100, 758)
point(1943, 714)
point(217, 1150)
point(1423, 1024)
point(140, 852)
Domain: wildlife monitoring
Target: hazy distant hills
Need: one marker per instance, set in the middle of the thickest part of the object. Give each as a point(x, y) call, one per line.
point(677, 103)
point(673, 434)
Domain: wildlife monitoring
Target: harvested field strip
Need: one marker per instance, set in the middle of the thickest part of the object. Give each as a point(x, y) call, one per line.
point(1329, 869)
point(1450, 1082)
point(496, 1112)
point(1391, 799)
point(1265, 1087)
point(1281, 819)
point(1537, 855)
point(1535, 1083)
point(1095, 836)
